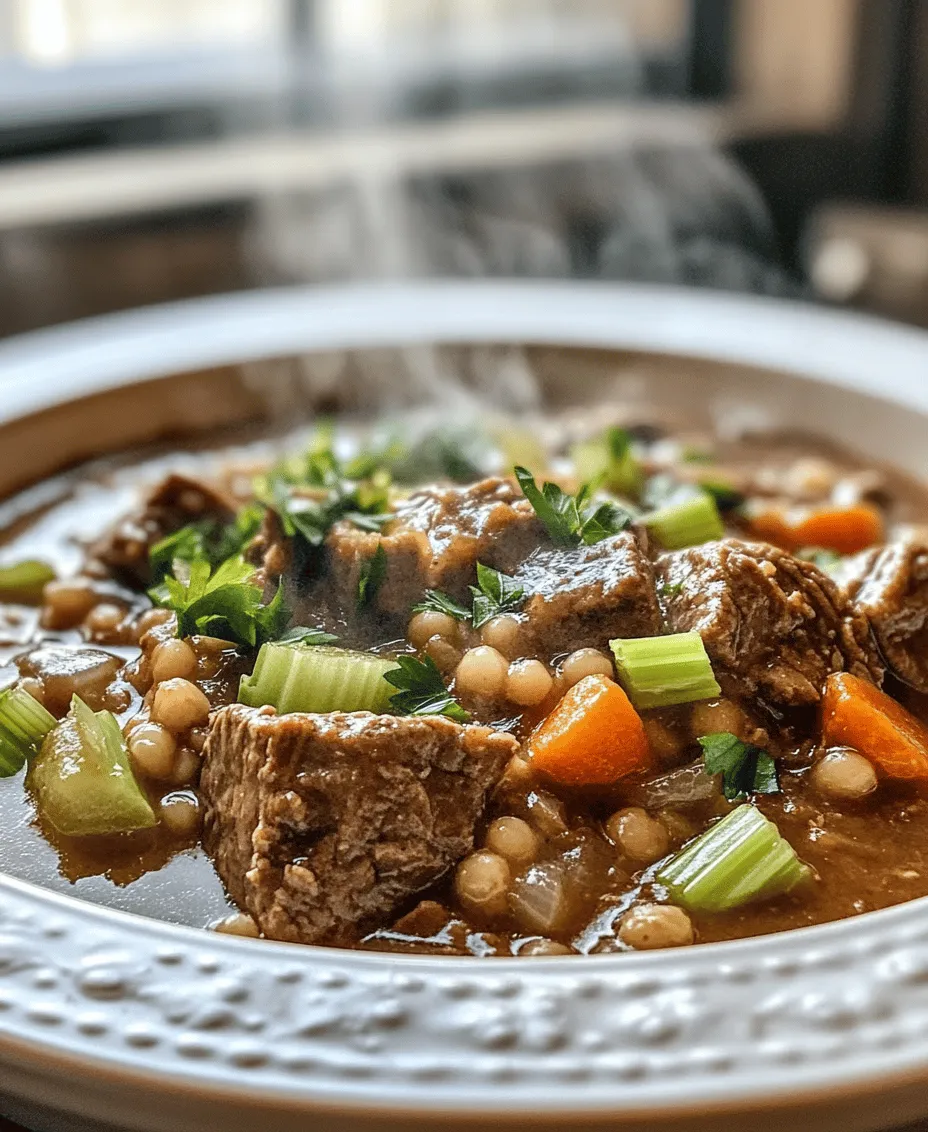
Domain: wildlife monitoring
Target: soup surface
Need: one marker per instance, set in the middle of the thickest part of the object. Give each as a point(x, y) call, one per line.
point(557, 688)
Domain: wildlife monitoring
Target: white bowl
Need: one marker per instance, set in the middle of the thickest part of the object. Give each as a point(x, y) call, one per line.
point(110, 1020)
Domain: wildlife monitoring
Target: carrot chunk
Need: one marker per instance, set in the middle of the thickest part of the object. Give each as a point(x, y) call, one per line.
point(857, 714)
point(842, 529)
point(592, 738)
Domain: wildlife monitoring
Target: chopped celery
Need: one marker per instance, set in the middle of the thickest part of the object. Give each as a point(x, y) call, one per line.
point(687, 523)
point(82, 780)
point(520, 446)
point(740, 860)
point(24, 723)
point(609, 461)
point(317, 678)
point(25, 578)
point(661, 671)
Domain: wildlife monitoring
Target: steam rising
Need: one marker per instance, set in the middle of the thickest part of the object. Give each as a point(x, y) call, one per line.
point(654, 215)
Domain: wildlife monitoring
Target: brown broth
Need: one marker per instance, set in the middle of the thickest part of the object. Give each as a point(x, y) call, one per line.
point(872, 855)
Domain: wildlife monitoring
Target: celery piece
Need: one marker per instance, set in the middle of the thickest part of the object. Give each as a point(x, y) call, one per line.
point(739, 860)
point(688, 523)
point(662, 671)
point(82, 780)
point(609, 461)
point(25, 579)
point(317, 678)
point(24, 723)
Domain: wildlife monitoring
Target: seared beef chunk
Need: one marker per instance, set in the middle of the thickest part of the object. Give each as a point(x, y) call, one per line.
point(323, 826)
point(436, 540)
point(889, 585)
point(581, 597)
point(175, 502)
point(772, 625)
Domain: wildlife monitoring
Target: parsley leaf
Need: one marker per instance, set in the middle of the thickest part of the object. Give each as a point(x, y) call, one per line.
point(495, 593)
point(422, 690)
point(727, 497)
point(207, 538)
point(572, 519)
point(223, 602)
point(312, 492)
point(745, 769)
point(300, 635)
point(183, 545)
point(372, 575)
point(437, 602)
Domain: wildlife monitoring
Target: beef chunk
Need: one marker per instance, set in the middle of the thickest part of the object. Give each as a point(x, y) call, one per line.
point(323, 826)
point(889, 585)
point(581, 597)
point(435, 542)
point(771, 624)
point(175, 502)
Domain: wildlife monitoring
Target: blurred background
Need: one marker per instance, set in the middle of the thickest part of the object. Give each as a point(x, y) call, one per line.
point(158, 149)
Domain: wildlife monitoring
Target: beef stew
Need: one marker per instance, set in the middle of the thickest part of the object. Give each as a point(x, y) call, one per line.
point(655, 689)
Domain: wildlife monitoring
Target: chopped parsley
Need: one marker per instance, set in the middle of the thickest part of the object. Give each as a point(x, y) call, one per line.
point(435, 601)
point(422, 690)
point(223, 602)
point(300, 635)
point(209, 539)
point(727, 497)
point(495, 593)
point(572, 519)
point(312, 492)
point(373, 572)
point(745, 769)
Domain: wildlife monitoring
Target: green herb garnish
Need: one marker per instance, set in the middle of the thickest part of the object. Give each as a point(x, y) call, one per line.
point(373, 573)
point(727, 497)
point(300, 635)
point(312, 492)
point(572, 519)
point(207, 538)
point(495, 593)
point(435, 601)
point(422, 690)
point(223, 602)
point(745, 769)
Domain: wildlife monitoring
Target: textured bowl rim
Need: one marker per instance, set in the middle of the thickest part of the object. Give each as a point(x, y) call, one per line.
point(840, 1008)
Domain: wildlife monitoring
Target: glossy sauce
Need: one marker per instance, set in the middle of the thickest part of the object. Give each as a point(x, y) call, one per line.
point(875, 853)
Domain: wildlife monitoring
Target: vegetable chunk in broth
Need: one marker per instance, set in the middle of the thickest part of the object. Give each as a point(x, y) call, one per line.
point(655, 690)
